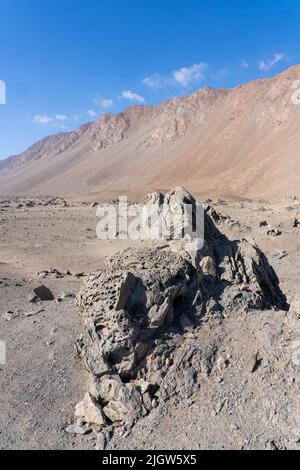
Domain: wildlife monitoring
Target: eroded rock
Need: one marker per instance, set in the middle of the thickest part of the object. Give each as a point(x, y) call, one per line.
point(139, 311)
point(89, 411)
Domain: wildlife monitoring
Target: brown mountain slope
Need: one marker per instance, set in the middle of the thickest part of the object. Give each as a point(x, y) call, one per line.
point(242, 142)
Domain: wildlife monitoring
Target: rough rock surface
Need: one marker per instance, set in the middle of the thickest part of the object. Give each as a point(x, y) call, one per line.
point(89, 412)
point(137, 313)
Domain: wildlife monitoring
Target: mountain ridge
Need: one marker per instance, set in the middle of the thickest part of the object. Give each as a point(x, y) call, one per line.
point(241, 141)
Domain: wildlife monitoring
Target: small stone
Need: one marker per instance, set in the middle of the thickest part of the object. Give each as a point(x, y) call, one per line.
point(78, 429)
point(31, 314)
point(263, 223)
point(274, 232)
point(8, 315)
point(147, 401)
point(43, 293)
point(154, 403)
point(65, 296)
point(101, 441)
point(90, 411)
point(43, 274)
point(56, 271)
point(279, 254)
point(234, 427)
point(270, 445)
point(251, 363)
point(218, 407)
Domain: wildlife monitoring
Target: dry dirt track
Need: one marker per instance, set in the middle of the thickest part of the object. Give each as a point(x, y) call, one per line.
point(43, 378)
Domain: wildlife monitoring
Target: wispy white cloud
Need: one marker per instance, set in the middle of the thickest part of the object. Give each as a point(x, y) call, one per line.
point(266, 65)
point(183, 77)
point(244, 64)
point(129, 95)
point(222, 73)
point(92, 113)
point(157, 81)
point(186, 75)
point(104, 102)
point(42, 119)
point(61, 117)
point(45, 119)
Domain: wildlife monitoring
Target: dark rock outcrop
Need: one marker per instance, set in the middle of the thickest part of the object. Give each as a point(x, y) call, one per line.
point(136, 312)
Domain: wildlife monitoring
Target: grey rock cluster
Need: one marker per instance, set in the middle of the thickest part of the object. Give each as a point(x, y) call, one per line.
point(140, 312)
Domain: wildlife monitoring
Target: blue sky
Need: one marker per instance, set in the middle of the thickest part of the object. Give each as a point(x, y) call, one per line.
point(65, 62)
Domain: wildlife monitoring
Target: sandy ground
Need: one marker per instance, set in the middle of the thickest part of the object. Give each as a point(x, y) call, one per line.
point(43, 378)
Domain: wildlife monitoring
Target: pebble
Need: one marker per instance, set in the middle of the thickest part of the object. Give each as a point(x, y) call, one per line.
point(77, 429)
point(101, 441)
point(8, 315)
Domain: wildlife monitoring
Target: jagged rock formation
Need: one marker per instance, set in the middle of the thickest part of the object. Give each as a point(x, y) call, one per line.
point(134, 306)
point(137, 310)
point(108, 131)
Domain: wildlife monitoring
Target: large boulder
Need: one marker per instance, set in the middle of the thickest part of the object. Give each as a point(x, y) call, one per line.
point(137, 309)
point(126, 306)
point(175, 213)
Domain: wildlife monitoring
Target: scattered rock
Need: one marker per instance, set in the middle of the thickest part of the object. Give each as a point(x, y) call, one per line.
point(66, 296)
point(220, 218)
point(280, 254)
point(78, 429)
point(43, 274)
point(252, 363)
point(31, 314)
point(43, 293)
point(101, 441)
point(270, 445)
point(89, 411)
point(78, 275)
point(57, 273)
point(9, 315)
point(274, 232)
point(124, 401)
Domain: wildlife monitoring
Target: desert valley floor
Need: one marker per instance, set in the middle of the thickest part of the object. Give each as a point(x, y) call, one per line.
point(52, 242)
